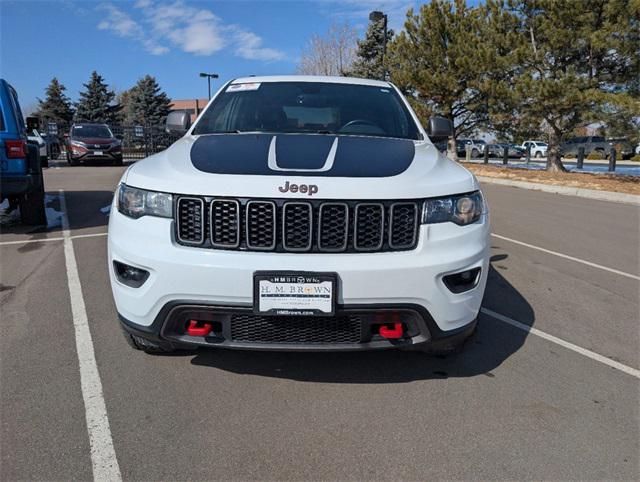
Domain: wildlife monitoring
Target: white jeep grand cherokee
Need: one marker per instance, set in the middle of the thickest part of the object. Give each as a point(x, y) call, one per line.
point(300, 213)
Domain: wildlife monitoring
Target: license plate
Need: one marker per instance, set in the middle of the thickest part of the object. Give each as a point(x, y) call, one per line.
point(97, 153)
point(294, 293)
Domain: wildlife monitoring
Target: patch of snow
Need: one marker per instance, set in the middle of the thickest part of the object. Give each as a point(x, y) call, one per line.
point(7, 217)
point(624, 170)
point(54, 217)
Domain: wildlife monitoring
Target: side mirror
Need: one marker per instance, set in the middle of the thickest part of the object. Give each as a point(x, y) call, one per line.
point(178, 122)
point(440, 128)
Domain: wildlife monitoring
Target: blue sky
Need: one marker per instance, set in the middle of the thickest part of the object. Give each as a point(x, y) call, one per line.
point(172, 40)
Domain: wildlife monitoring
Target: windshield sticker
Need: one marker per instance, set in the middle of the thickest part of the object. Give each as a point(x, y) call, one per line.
point(243, 87)
point(79, 127)
point(386, 91)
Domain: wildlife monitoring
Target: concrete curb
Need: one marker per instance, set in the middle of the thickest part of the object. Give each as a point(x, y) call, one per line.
point(617, 197)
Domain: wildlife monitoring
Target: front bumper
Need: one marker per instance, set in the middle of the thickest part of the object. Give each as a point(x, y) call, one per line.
point(90, 155)
point(222, 281)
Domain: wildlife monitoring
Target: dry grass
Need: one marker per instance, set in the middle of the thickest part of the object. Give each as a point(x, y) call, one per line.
point(600, 182)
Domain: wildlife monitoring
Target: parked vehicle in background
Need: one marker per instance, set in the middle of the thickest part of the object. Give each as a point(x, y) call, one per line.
point(496, 151)
point(93, 142)
point(35, 137)
point(476, 145)
point(623, 147)
point(590, 144)
point(53, 144)
point(538, 148)
point(21, 179)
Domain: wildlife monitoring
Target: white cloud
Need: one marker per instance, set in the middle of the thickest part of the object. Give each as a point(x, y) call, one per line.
point(193, 30)
point(249, 46)
point(119, 22)
point(123, 25)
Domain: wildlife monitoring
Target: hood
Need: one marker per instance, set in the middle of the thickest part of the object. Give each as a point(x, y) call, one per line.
point(302, 155)
point(339, 167)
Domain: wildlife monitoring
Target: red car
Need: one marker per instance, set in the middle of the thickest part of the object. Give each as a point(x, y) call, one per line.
point(93, 142)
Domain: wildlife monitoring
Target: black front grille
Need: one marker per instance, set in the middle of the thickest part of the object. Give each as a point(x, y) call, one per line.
point(297, 223)
point(297, 226)
point(296, 329)
point(191, 215)
point(261, 225)
point(369, 226)
point(404, 219)
point(225, 223)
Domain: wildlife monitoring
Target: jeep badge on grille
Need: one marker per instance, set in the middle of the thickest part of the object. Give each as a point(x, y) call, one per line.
point(309, 189)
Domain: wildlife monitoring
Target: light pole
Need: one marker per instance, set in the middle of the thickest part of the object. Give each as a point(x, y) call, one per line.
point(376, 16)
point(209, 77)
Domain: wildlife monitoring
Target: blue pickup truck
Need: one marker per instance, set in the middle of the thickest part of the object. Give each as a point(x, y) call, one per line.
point(21, 180)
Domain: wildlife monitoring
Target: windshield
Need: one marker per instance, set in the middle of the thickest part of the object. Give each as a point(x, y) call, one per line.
point(101, 132)
point(309, 107)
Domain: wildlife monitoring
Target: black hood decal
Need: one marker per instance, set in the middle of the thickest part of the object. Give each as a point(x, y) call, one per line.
point(302, 155)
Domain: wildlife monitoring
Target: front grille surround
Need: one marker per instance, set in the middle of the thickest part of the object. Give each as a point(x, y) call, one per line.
point(257, 214)
point(336, 226)
point(396, 235)
point(293, 226)
point(325, 232)
point(368, 232)
point(196, 223)
point(222, 214)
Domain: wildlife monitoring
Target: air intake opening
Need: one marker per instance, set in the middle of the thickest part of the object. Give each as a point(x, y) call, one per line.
point(462, 281)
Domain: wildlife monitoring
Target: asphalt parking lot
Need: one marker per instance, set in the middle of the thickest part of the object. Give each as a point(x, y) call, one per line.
point(548, 389)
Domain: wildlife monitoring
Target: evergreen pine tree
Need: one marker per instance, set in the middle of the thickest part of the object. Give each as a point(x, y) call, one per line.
point(370, 62)
point(96, 102)
point(438, 62)
point(56, 107)
point(578, 60)
point(149, 105)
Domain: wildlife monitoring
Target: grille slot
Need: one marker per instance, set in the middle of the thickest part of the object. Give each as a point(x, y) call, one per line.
point(313, 226)
point(191, 226)
point(369, 227)
point(225, 223)
point(403, 221)
point(261, 225)
point(297, 226)
point(333, 227)
point(296, 329)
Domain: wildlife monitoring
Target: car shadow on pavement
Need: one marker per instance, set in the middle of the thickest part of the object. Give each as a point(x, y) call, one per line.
point(493, 343)
point(85, 209)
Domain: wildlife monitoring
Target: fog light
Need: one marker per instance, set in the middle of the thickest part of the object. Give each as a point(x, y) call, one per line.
point(130, 275)
point(463, 281)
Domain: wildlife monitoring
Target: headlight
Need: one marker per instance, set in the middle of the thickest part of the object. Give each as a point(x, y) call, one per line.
point(135, 203)
point(461, 209)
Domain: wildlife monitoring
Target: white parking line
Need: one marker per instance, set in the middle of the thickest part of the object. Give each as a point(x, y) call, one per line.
point(566, 256)
point(44, 240)
point(103, 456)
point(558, 341)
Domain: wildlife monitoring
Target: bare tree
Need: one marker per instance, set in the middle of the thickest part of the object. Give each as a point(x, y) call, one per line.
point(330, 54)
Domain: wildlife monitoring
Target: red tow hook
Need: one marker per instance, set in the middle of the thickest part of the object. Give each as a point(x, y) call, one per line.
point(391, 333)
point(198, 328)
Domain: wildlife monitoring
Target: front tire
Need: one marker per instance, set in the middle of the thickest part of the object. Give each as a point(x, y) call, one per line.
point(445, 347)
point(139, 344)
point(475, 154)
